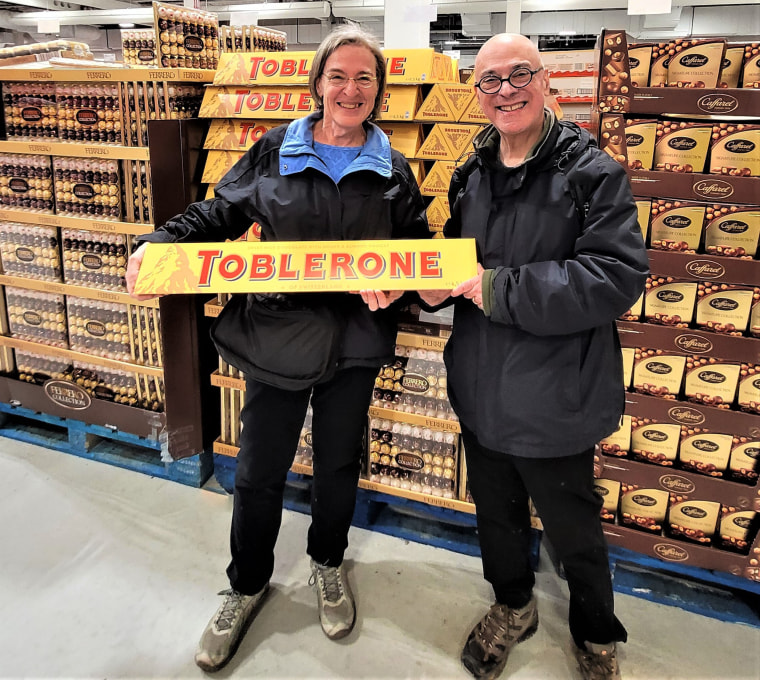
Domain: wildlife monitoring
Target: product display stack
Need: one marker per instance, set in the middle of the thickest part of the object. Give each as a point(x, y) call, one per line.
point(680, 477)
point(75, 190)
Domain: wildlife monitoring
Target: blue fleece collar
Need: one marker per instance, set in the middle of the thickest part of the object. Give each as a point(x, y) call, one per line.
point(297, 151)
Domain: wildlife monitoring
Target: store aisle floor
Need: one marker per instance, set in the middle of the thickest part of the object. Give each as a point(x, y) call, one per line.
point(107, 573)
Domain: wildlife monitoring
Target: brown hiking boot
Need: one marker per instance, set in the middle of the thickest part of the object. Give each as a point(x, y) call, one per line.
point(598, 662)
point(487, 648)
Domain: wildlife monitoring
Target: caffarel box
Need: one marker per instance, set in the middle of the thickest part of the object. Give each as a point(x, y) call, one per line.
point(696, 63)
point(731, 69)
point(735, 150)
point(640, 138)
point(658, 373)
point(640, 62)
point(669, 301)
point(732, 230)
point(682, 146)
point(676, 225)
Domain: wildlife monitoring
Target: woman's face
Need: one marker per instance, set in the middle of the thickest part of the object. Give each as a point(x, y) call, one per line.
point(350, 105)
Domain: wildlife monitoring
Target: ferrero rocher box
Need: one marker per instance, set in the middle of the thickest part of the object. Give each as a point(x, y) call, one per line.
point(732, 66)
point(697, 65)
point(640, 136)
point(706, 453)
point(639, 62)
point(735, 150)
point(682, 147)
point(732, 231)
point(237, 135)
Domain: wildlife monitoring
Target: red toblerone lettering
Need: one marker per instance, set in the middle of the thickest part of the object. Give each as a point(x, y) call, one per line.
point(208, 257)
point(396, 66)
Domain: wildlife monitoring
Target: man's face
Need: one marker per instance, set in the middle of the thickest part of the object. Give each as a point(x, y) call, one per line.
point(513, 111)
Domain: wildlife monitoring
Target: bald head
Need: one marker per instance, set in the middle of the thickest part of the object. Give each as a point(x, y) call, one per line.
point(507, 46)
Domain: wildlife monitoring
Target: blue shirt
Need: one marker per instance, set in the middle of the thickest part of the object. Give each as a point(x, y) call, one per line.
point(336, 158)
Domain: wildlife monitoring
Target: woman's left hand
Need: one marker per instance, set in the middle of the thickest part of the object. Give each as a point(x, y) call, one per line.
point(380, 299)
point(472, 289)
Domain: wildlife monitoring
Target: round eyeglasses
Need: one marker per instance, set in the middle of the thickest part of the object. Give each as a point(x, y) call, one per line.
point(364, 82)
point(520, 77)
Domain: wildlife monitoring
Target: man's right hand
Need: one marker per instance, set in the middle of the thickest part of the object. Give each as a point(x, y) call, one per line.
point(133, 269)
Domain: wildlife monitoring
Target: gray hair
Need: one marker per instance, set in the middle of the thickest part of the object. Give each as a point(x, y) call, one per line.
point(348, 34)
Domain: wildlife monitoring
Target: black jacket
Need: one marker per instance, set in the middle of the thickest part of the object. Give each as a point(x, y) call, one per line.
point(542, 376)
point(309, 206)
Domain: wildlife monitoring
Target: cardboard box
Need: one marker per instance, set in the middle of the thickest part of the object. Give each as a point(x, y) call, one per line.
point(735, 150)
point(640, 137)
point(30, 251)
point(406, 138)
point(264, 68)
point(26, 183)
point(88, 188)
point(415, 66)
point(282, 103)
point(731, 69)
point(724, 308)
point(438, 212)
point(670, 301)
point(218, 164)
point(445, 103)
point(37, 316)
point(693, 520)
point(614, 91)
point(654, 442)
point(676, 225)
point(748, 395)
point(438, 179)
point(705, 453)
point(618, 444)
point(658, 373)
point(682, 147)
point(609, 490)
point(401, 102)
point(237, 135)
point(696, 63)
point(640, 63)
point(643, 509)
point(751, 67)
point(30, 110)
point(732, 230)
point(448, 141)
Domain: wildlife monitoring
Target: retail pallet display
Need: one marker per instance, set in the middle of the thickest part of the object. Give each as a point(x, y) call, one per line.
point(708, 428)
point(571, 74)
point(104, 444)
point(135, 381)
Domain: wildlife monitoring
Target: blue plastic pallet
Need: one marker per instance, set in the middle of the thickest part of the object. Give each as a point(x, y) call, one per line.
point(103, 445)
point(391, 515)
point(710, 593)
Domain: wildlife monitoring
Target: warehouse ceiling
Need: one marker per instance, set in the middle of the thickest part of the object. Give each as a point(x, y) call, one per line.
point(25, 15)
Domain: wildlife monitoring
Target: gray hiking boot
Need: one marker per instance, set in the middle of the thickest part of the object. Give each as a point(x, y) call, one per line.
point(337, 611)
point(222, 636)
point(598, 662)
point(487, 648)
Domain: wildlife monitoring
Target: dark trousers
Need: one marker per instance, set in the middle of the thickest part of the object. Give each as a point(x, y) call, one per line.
point(272, 419)
point(562, 490)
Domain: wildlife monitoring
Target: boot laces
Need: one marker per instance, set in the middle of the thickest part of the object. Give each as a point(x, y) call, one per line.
point(230, 609)
point(495, 630)
point(329, 582)
point(599, 666)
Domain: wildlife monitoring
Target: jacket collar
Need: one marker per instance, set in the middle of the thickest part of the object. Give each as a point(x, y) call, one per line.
point(297, 150)
point(560, 141)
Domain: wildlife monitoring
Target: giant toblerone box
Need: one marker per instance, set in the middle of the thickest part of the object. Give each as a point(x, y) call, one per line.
point(446, 102)
point(237, 135)
point(406, 138)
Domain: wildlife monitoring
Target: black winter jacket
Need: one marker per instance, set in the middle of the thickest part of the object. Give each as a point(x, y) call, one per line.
point(542, 376)
point(309, 206)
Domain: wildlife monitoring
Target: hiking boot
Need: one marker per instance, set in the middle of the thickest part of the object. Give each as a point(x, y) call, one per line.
point(487, 648)
point(337, 611)
point(598, 662)
point(224, 632)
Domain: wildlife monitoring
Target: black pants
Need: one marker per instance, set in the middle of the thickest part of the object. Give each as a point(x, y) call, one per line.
point(272, 419)
point(562, 490)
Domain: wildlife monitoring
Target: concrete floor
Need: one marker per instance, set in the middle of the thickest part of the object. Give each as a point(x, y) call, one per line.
point(108, 573)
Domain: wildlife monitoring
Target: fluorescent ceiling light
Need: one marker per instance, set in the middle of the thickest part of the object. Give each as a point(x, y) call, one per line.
point(126, 25)
point(567, 32)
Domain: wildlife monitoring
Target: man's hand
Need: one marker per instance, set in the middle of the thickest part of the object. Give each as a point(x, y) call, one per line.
point(380, 299)
point(133, 269)
point(472, 289)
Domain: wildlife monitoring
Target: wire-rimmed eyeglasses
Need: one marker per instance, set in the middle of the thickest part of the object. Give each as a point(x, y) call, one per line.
point(336, 80)
point(520, 77)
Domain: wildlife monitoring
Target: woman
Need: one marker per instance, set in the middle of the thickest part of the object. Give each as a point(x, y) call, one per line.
point(329, 176)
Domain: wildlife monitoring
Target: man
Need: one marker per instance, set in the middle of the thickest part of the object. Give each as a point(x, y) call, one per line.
point(534, 362)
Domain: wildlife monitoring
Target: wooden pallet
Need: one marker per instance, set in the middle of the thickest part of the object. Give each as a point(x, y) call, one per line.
point(103, 444)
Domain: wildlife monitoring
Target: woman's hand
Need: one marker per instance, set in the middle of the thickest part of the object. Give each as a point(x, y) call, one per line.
point(133, 269)
point(472, 289)
point(380, 299)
